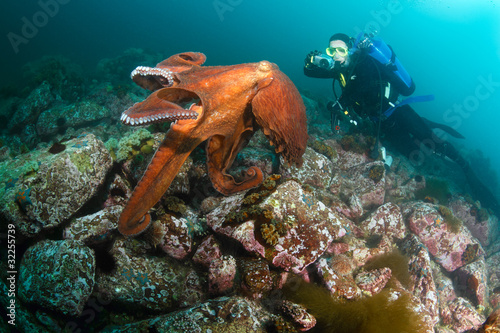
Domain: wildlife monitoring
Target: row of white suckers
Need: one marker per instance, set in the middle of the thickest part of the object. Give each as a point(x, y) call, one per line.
point(145, 71)
point(149, 119)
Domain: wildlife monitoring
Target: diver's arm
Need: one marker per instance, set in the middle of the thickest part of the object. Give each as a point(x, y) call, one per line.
point(318, 72)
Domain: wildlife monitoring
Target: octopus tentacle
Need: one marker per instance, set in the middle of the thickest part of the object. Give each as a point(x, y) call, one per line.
point(171, 154)
point(227, 185)
point(158, 107)
point(153, 116)
point(220, 156)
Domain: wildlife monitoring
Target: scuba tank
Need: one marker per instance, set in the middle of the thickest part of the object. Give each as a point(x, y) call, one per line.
point(393, 68)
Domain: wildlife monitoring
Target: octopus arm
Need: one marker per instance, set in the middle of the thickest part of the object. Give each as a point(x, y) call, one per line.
point(221, 152)
point(280, 111)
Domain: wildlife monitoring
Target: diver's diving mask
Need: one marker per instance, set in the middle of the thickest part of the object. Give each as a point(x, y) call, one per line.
point(332, 51)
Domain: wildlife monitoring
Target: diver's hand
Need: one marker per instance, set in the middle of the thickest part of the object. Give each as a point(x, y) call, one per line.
point(308, 61)
point(365, 43)
point(334, 107)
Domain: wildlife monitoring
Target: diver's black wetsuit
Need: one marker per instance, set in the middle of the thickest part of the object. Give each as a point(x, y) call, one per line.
point(367, 84)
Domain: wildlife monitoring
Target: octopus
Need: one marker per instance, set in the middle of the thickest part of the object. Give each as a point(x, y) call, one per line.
point(220, 105)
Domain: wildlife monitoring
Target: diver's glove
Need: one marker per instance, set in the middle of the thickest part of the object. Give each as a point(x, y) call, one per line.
point(334, 106)
point(365, 43)
point(308, 61)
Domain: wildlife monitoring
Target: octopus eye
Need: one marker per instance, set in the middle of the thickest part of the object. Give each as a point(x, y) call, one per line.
point(265, 66)
point(186, 57)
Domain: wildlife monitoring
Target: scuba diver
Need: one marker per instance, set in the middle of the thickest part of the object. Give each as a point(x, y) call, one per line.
point(372, 83)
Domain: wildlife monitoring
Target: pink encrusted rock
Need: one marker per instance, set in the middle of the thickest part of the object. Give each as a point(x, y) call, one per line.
point(338, 248)
point(484, 230)
point(449, 249)
point(444, 287)
point(208, 250)
point(471, 279)
point(243, 233)
point(316, 170)
point(303, 319)
point(178, 239)
point(422, 284)
point(495, 299)
point(444, 330)
point(256, 277)
point(493, 267)
point(221, 274)
point(357, 182)
point(336, 274)
point(386, 220)
point(310, 227)
point(461, 316)
point(349, 159)
point(361, 255)
point(373, 281)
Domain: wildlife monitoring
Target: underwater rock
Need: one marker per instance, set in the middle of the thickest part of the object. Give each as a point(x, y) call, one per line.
point(221, 275)
point(386, 220)
point(350, 159)
point(461, 316)
point(54, 187)
point(336, 274)
point(223, 314)
point(301, 318)
point(402, 184)
point(482, 226)
point(8, 106)
point(308, 226)
point(357, 182)
point(449, 249)
point(493, 271)
point(59, 117)
point(444, 286)
point(209, 204)
point(471, 282)
point(317, 170)
point(96, 227)
point(372, 282)
point(208, 250)
point(29, 110)
point(178, 239)
point(118, 192)
point(423, 285)
point(57, 275)
point(143, 281)
point(256, 277)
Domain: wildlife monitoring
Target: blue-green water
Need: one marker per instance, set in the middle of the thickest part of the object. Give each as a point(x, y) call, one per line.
point(451, 48)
